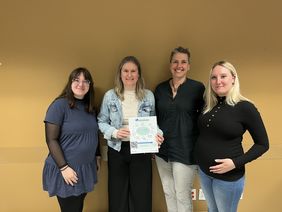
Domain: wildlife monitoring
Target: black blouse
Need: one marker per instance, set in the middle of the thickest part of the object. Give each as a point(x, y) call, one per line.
point(221, 134)
point(177, 118)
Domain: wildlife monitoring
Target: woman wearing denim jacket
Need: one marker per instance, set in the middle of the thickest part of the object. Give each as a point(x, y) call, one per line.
point(129, 176)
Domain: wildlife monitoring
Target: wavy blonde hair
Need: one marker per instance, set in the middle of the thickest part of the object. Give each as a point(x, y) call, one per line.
point(232, 98)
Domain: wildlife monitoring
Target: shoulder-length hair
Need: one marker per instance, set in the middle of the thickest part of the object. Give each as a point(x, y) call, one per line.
point(140, 84)
point(89, 96)
point(232, 98)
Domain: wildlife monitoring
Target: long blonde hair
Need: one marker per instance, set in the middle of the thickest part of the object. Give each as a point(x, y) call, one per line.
point(232, 98)
point(140, 85)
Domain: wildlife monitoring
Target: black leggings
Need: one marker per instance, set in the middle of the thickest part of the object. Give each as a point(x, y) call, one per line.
point(72, 203)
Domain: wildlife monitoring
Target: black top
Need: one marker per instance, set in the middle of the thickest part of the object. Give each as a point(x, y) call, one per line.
point(221, 134)
point(177, 118)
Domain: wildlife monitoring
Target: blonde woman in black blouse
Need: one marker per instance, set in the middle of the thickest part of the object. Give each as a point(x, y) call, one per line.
point(219, 152)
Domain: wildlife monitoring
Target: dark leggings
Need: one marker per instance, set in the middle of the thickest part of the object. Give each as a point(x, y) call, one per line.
point(72, 203)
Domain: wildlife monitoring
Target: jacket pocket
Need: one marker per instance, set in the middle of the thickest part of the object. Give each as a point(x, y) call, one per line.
point(114, 113)
point(145, 109)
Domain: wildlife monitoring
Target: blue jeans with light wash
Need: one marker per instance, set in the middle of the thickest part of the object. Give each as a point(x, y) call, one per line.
point(221, 196)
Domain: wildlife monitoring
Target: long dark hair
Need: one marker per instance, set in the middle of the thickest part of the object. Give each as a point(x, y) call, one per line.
point(89, 96)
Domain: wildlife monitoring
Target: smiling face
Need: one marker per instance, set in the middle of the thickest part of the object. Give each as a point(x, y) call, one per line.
point(221, 80)
point(179, 66)
point(80, 86)
point(129, 75)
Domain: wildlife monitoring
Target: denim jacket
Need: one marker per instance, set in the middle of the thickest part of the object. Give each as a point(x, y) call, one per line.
point(110, 116)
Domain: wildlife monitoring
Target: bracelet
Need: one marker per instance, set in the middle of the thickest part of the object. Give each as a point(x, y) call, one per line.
point(64, 168)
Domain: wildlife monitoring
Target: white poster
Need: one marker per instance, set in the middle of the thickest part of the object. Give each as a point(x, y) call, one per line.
point(143, 131)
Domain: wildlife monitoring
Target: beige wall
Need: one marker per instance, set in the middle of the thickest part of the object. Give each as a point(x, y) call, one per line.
point(42, 41)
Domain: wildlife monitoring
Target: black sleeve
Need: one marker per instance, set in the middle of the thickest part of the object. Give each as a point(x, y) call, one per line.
point(98, 152)
point(156, 96)
point(254, 124)
point(201, 100)
point(52, 133)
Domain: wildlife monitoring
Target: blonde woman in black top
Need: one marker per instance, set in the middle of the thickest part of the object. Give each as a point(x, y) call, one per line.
point(226, 117)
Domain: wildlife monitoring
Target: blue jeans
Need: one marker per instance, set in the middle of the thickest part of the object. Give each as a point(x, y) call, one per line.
point(221, 196)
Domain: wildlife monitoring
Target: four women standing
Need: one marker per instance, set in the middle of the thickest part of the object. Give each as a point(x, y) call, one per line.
point(71, 135)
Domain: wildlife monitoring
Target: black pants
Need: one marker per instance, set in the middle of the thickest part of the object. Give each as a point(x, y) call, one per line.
point(129, 180)
point(72, 203)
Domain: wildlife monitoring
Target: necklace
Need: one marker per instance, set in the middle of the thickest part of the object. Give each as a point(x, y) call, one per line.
point(174, 87)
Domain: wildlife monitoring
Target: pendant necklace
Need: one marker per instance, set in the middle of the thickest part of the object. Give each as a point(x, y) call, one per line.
point(174, 88)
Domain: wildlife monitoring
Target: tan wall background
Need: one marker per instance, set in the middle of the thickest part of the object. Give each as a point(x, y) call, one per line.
point(42, 41)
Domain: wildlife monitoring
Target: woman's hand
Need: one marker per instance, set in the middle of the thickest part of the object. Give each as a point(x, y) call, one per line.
point(123, 133)
point(159, 139)
point(69, 176)
point(224, 165)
